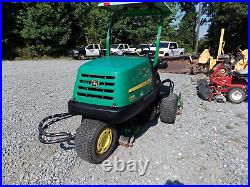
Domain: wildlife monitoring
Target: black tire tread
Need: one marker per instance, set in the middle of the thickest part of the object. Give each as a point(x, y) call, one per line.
point(168, 109)
point(85, 141)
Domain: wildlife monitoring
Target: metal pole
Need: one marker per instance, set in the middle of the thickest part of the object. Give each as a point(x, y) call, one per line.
point(220, 49)
point(158, 41)
point(108, 36)
point(198, 28)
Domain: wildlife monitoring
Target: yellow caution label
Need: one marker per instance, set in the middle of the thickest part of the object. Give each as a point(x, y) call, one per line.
point(145, 83)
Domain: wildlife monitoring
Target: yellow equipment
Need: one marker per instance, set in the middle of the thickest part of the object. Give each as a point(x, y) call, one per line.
point(206, 59)
point(243, 63)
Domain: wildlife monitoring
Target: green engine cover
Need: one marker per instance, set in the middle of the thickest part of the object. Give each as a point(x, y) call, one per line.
point(113, 81)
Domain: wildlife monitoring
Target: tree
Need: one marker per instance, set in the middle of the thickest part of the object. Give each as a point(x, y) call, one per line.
point(231, 16)
point(186, 31)
point(47, 28)
point(136, 30)
point(11, 38)
point(50, 29)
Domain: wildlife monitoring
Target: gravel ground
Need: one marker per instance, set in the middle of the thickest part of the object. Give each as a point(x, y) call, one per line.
point(207, 144)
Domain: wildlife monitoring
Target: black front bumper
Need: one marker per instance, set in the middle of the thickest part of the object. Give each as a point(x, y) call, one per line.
point(111, 115)
point(75, 55)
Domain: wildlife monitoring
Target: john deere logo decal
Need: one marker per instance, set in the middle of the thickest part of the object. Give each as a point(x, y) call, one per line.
point(95, 83)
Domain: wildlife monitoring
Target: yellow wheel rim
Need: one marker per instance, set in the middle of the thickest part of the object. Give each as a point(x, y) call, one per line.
point(104, 141)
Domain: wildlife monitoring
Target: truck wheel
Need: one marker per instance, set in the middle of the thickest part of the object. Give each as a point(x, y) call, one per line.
point(95, 141)
point(236, 95)
point(168, 108)
point(81, 57)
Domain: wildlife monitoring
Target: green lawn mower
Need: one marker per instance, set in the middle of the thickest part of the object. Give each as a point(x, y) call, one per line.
point(112, 90)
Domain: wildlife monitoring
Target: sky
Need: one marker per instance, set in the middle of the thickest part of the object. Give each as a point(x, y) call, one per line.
point(203, 28)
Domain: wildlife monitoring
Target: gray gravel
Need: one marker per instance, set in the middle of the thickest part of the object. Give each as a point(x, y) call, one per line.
point(207, 144)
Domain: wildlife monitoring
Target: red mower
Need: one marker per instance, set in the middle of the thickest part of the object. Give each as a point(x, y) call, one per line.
point(224, 84)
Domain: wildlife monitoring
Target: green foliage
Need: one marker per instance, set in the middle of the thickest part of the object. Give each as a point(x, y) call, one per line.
point(169, 32)
point(47, 28)
point(11, 38)
point(203, 44)
point(231, 16)
point(186, 31)
point(50, 29)
point(96, 28)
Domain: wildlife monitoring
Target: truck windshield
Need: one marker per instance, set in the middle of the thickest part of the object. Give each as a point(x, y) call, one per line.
point(114, 46)
point(162, 45)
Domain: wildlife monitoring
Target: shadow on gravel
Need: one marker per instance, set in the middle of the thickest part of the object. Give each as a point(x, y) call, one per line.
point(149, 118)
point(175, 182)
point(152, 122)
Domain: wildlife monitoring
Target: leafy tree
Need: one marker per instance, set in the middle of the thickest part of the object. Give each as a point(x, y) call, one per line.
point(53, 28)
point(138, 30)
point(186, 31)
point(231, 16)
point(203, 44)
point(11, 38)
point(47, 28)
point(169, 30)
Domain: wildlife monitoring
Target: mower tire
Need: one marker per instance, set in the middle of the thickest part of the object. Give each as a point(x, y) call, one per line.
point(168, 108)
point(95, 141)
point(236, 95)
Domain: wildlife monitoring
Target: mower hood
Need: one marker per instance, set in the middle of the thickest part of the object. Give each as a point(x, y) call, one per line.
point(113, 64)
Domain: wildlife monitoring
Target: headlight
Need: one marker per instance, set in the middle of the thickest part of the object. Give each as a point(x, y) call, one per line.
point(75, 51)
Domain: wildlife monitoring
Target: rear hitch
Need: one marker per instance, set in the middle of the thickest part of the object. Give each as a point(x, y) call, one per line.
point(52, 138)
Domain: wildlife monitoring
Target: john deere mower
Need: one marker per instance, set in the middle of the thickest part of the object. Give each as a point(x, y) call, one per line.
point(112, 90)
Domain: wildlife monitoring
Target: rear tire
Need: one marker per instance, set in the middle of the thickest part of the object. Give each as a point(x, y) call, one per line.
point(87, 137)
point(168, 109)
point(236, 95)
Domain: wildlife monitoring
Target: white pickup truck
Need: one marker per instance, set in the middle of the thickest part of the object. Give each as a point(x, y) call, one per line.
point(119, 49)
point(168, 48)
